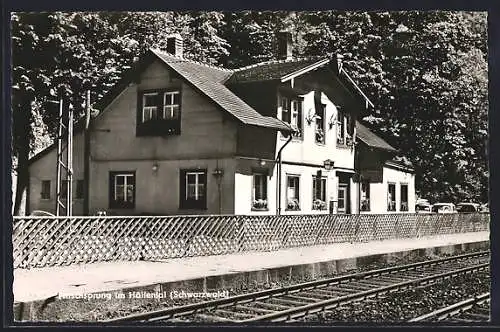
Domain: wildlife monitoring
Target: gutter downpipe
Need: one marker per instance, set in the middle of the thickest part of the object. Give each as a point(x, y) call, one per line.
point(278, 199)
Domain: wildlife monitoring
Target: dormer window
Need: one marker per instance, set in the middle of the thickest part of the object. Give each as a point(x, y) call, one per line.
point(159, 113)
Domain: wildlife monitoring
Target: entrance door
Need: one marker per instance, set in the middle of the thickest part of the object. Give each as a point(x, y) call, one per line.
point(342, 199)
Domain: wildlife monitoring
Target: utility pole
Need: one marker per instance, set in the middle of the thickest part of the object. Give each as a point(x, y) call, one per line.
point(64, 162)
point(86, 155)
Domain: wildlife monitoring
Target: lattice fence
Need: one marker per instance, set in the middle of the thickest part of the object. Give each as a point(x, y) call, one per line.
point(50, 241)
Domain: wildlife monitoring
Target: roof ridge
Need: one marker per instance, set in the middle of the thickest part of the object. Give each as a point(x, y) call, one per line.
point(312, 57)
point(183, 59)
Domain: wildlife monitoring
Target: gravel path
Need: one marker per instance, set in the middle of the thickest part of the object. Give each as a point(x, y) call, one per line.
point(404, 305)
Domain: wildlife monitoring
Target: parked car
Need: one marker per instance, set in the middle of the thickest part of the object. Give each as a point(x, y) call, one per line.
point(444, 208)
point(423, 206)
point(485, 207)
point(468, 207)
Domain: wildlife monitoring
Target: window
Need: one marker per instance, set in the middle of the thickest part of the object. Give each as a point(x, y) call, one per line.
point(159, 112)
point(285, 109)
point(342, 199)
point(149, 106)
point(296, 119)
point(259, 193)
point(404, 197)
point(79, 189)
point(341, 128)
point(320, 124)
point(391, 197)
point(292, 113)
point(365, 196)
point(171, 105)
point(64, 189)
point(319, 193)
point(292, 193)
point(122, 190)
point(45, 192)
point(193, 189)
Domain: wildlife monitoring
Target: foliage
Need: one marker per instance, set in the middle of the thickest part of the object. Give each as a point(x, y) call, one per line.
point(426, 72)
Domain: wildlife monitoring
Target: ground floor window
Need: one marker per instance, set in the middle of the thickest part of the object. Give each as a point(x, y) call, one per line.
point(342, 199)
point(259, 192)
point(45, 191)
point(122, 190)
point(365, 196)
point(319, 193)
point(293, 190)
point(404, 197)
point(79, 189)
point(391, 197)
point(193, 189)
point(64, 188)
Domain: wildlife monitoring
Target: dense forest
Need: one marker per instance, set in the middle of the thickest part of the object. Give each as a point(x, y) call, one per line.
point(426, 72)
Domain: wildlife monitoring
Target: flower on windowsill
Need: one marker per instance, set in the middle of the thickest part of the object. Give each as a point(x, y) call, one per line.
point(297, 132)
point(293, 204)
point(320, 135)
point(365, 205)
point(259, 204)
point(318, 204)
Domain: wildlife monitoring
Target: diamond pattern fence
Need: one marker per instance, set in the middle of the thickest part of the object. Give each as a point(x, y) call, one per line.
point(53, 241)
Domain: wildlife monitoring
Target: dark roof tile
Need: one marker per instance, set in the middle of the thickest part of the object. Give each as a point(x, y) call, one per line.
point(369, 138)
point(271, 70)
point(209, 80)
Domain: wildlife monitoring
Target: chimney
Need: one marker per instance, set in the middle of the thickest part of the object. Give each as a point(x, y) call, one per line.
point(340, 58)
point(174, 45)
point(284, 45)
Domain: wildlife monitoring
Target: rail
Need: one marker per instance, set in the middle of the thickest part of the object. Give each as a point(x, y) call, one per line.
point(55, 241)
point(292, 302)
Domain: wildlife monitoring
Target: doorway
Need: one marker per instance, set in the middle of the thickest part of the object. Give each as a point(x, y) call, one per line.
point(342, 199)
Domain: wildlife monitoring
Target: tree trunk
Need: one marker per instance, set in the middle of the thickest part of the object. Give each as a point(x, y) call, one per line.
point(21, 138)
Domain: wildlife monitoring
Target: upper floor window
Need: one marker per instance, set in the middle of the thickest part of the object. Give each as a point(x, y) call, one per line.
point(404, 197)
point(341, 128)
point(292, 113)
point(158, 112)
point(319, 193)
point(293, 193)
point(391, 197)
point(171, 105)
point(193, 189)
point(45, 191)
point(365, 196)
point(320, 124)
point(122, 190)
point(259, 193)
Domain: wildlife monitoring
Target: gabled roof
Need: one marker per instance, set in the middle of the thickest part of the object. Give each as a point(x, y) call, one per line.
point(369, 138)
point(209, 81)
point(271, 70)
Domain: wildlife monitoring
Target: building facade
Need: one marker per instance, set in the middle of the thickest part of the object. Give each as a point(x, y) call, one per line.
point(278, 137)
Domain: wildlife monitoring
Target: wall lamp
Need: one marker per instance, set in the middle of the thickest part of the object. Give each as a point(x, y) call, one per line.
point(328, 164)
point(155, 167)
point(218, 172)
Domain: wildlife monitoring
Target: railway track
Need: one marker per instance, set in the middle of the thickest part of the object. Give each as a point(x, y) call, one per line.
point(293, 302)
point(475, 309)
